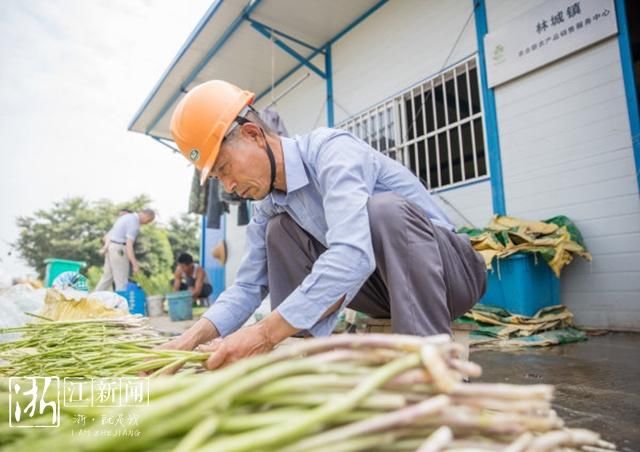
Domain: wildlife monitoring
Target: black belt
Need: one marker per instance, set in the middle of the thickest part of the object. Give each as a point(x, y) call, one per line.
point(118, 243)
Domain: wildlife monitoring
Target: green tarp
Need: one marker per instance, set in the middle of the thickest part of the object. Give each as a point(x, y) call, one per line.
point(494, 326)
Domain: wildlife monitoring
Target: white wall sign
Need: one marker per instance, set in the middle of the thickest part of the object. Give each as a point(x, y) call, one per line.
point(544, 34)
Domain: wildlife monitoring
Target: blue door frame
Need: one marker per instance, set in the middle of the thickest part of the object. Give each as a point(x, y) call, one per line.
point(626, 61)
point(490, 115)
point(208, 239)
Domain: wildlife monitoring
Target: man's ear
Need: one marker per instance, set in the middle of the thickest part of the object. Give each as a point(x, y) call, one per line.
point(252, 131)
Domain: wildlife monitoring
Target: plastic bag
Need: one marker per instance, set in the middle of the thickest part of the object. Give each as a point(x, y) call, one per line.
point(111, 300)
point(14, 302)
point(71, 280)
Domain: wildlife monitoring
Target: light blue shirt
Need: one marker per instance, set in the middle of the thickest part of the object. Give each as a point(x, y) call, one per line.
point(126, 227)
point(330, 175)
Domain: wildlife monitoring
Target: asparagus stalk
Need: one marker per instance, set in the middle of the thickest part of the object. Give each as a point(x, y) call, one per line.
point(343, 393)
point(400, 418)
point(276, 436)
point(437, 440)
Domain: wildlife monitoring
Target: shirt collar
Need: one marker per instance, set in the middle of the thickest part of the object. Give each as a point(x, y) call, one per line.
point(294, 170)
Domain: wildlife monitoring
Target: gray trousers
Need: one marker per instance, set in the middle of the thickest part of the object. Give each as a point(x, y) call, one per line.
point(116, 268)
point(425, 275)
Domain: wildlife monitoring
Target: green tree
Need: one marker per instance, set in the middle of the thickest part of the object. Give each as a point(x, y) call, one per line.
point(154, 253)
point(184, 235)
point(70, 230)
point(73, 229)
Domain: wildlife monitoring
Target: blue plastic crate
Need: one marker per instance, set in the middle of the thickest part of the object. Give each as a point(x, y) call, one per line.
point(522, 284)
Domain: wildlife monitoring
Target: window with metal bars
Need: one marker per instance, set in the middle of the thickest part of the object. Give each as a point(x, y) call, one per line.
point(435, 128)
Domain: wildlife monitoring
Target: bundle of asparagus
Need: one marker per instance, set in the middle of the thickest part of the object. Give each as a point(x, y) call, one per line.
point(88, 348)
point(342, 393)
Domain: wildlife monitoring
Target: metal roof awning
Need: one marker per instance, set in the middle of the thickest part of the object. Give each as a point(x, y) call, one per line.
point(235, 41)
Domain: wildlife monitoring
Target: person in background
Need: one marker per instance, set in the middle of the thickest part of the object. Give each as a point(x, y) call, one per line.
point(105, 238)
point(191, 276)
point(118, 249)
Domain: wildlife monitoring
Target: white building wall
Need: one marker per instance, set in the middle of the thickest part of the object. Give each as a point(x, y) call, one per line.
point(566, 149)
point(304, 108)
point(235, 237)
point(564, 133)
point(399, 45)
point(468, 205)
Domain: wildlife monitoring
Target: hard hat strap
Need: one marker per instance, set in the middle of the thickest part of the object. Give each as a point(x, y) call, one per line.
point(272, 160)
point(240, 120)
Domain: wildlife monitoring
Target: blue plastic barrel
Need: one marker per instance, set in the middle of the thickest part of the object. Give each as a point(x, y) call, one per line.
point(180, 305)
point(136, 299)
point(522, 284)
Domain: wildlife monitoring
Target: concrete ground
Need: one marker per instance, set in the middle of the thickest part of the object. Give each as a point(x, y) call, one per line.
point(169, 328)
point(597, 382)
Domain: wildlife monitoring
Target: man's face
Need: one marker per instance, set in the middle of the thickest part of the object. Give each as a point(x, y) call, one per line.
point(145, 219)
point(185, 268)
point(242, 164)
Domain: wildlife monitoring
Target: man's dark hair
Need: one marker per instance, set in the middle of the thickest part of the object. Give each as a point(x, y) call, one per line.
point(185, 258)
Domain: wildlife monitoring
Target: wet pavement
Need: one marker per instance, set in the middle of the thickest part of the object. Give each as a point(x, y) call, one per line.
point(597, 382)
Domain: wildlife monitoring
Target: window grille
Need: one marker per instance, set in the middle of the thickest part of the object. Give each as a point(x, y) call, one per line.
point(434, 128)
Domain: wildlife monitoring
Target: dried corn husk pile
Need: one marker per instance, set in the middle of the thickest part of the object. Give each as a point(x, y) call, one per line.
point(342, 393)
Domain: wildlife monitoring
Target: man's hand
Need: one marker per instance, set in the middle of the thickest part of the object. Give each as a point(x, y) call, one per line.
point(177, 343)
point(245, 342)
point(202, 331)
point(135, 268)
point(105, 244)
point(249, 341)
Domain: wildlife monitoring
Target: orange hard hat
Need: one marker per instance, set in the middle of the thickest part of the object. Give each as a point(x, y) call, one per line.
point(202, 118)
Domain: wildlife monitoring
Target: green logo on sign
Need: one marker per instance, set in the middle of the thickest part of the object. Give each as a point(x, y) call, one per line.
point(194, 155)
